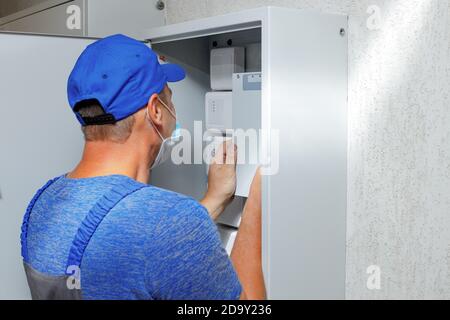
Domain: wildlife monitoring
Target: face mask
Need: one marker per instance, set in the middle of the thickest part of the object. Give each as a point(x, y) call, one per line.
point(167, 143)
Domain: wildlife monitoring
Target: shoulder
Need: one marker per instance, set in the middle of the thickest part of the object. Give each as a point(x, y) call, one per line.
point(175, 221)
point(153, 193)
point(168, 205)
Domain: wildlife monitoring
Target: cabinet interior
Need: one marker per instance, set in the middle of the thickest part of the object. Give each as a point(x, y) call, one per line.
point(189, 99)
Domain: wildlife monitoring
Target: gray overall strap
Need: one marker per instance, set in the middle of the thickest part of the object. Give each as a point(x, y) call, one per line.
point(94, 218)
point(67, 287)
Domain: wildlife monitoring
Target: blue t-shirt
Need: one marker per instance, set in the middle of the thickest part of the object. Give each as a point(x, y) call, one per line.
point(154, 244)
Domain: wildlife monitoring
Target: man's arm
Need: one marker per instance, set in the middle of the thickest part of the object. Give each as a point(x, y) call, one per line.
point(186, 259)
point(247, 255)
point(221, 180)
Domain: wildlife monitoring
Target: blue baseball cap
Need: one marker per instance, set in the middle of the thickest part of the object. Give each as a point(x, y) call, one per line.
point(122, 74)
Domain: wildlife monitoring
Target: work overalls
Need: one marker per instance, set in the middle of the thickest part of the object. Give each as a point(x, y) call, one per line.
point(68, 286)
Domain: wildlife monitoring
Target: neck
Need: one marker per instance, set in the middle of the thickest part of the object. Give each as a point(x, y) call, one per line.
point(108, 158)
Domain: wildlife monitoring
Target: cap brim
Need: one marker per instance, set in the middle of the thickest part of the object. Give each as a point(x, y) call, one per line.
point(173, 72)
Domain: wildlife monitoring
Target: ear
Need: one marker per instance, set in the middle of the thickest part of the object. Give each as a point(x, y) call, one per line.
point(154, 110)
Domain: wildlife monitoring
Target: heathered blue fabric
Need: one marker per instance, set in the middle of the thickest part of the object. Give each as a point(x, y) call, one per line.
point(154, 244)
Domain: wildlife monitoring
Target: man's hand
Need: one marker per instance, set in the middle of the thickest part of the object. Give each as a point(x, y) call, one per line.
point(221, 180)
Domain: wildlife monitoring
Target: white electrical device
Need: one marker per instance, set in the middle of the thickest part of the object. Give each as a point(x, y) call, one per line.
point(219, 111)
point(225, 62)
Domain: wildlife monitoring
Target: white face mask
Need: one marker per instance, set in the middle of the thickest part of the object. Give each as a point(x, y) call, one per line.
point(167, 143)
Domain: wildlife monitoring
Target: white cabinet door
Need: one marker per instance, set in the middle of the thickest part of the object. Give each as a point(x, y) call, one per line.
point(305, 101)
point(40, 138)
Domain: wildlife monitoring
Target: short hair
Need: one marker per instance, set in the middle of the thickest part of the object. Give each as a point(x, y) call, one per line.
point(118, 132)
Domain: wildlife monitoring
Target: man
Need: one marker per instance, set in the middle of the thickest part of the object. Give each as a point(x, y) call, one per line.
point(101, 232)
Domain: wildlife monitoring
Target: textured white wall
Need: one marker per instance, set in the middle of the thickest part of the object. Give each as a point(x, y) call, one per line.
point(399, 153)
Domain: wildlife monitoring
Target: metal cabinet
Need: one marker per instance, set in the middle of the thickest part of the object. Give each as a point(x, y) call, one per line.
point(304, 135)
point(304, 142)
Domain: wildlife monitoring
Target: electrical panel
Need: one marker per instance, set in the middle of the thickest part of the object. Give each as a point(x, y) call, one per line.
point(246, 119)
